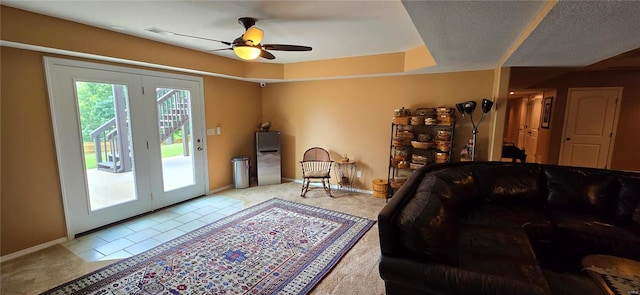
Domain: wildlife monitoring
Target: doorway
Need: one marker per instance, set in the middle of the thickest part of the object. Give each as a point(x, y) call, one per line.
point(590, 118)
point(128, 141)
point(523, 124)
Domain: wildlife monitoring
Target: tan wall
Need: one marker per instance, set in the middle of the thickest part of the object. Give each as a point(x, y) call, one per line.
point(32, 211)
point(626, 145)
point(353, 116)
point(544, 134)
point(234, 106)
point(31, 199)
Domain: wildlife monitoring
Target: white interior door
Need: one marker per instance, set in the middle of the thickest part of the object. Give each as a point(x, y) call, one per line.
point(589, 126)
point(522, 122)
point(112, 162)
point(532, 128)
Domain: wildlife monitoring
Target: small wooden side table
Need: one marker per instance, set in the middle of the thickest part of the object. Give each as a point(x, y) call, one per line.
point(345, 172)
point(608, 271)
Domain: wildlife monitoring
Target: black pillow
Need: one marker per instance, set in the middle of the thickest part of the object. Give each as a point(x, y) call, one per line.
point(628, 199)
point(581, 190)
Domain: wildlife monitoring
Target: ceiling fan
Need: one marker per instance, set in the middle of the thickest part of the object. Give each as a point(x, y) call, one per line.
point(249, 45)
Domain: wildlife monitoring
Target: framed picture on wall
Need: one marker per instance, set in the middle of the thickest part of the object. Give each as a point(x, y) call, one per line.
point(546, 112)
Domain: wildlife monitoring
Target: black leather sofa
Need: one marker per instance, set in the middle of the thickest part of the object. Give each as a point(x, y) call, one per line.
point(498, 228)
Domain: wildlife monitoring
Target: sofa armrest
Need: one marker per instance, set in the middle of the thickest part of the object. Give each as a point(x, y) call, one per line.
point(436, 278)
point(386, 218)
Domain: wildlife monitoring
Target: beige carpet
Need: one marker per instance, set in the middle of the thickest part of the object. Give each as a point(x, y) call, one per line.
point(356, 273)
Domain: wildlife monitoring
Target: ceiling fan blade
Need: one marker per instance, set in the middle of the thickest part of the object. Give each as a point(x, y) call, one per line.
point(202, 38)
point(267, 55)
point(221, 49)
point(285, 47)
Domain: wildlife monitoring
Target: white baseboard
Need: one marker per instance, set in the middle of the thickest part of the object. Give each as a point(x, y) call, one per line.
point(333, 186)
point(222, 188)
point(31, 250)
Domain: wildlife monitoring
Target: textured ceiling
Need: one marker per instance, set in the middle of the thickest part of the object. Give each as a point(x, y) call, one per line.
point(460, 35)
point(470, 35)
point(580, 33)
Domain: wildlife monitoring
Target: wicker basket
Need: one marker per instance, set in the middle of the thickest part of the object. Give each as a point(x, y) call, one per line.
point(402, 120)
point(417, 120)
point(379, 188)
point(422, 145)
point(399, 141)
point(415, 166)
point(402, 164)
point(443, 145)
point(397, 183)
point(406, 135)
point(418, 159)
point(442, 157)
point(403, 155)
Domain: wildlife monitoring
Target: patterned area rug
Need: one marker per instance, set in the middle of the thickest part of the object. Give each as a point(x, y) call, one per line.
point(276, 247)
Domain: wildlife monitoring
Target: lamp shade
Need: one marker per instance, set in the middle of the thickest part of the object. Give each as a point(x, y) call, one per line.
point(486, 105)
point(460, 107)
point(247, 52)
point(469, 106)
point(253, 35)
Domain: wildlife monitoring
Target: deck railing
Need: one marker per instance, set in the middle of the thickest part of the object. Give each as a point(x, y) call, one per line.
point(173, 114)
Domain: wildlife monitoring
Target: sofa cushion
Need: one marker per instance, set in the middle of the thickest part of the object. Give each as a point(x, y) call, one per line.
point(510, 184)
point(457, 187)
point(504, 252)
point(627, 207)
point(534, 222)
point(581, 190)
point(428, 230)
point(588, 234)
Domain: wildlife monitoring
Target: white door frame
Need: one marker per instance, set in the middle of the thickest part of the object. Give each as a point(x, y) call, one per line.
point(616, 115)
point(50, 62)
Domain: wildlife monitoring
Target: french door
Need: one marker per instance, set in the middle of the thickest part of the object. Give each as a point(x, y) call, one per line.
point(127, 141)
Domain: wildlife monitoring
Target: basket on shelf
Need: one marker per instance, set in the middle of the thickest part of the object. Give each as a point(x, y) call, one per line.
point(422, 145)
point(424, 137)
point(406, 135)
point(415, 166)
point(403, 155)
point(401, 120)
point(397, 182)
point(379, 188)
point(430, 121)
point(443, 145)
point(446, 120)
point(398, 142)
point(402, 164)
point(402, 112)
point(424, 112)
point(418, 159)
point(442, 157)
point(417, 120)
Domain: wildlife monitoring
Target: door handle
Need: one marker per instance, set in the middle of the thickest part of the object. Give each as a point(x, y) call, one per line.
point(568, 138)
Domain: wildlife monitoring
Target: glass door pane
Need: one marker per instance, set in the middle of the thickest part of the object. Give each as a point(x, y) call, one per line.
point(106, 143)
point(176, 138)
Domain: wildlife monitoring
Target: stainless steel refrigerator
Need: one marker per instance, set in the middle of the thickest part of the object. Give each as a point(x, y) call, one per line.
point(268, 157)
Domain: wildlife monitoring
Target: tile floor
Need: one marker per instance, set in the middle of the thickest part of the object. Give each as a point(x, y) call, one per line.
point(143, 233)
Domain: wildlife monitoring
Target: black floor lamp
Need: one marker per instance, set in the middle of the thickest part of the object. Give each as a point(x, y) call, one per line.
point(468, 107)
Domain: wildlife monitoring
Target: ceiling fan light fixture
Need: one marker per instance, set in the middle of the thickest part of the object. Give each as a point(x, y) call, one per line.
point(254, 35)
point(247, 52)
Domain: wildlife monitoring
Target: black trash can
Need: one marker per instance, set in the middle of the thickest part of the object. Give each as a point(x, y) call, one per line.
point(240, 171)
